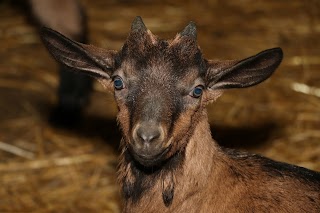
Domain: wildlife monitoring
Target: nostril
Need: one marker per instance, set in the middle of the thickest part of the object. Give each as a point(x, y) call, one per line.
point(148, 134)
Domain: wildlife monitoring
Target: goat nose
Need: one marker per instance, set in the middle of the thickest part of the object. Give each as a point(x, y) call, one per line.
point(148, 134)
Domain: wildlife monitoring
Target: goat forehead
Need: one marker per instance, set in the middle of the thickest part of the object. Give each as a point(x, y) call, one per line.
point(163, 59)
point(163, 80)
point(155, 84)
point(161, 73)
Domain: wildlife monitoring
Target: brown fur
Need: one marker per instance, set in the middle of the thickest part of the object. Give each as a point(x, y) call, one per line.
point(212, 181)
point(177, 166)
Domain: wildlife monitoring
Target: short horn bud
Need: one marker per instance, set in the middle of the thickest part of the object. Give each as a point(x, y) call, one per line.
point(138, 25)
point(190, 30)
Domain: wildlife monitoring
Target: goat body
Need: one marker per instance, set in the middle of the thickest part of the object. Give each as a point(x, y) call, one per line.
point(169, 161)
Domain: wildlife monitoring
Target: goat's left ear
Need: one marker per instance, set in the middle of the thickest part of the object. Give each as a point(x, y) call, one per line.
point(243, 73)
point(83, 58)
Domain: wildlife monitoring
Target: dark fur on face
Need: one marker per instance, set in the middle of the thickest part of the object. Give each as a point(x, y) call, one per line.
point(156, 73)
point(153, 71)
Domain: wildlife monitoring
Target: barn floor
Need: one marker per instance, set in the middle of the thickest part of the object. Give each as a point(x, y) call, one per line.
point(48, 169)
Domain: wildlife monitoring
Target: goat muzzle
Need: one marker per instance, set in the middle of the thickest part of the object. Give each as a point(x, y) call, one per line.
point(148, 145)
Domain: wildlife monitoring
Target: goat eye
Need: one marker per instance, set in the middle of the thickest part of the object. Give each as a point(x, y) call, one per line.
point(118, 83)
point(197, 91)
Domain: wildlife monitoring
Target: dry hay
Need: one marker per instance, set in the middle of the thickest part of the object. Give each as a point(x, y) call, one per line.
point(43, 169)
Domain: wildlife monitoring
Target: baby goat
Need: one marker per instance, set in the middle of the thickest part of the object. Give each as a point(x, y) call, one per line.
point(169, 162)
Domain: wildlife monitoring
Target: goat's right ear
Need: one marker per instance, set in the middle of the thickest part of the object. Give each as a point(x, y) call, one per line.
point(87, 59)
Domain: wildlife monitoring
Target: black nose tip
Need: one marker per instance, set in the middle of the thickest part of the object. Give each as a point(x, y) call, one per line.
point(148, 134)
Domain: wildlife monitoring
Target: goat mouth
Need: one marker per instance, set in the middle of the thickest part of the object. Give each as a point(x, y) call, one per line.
point(149, 160)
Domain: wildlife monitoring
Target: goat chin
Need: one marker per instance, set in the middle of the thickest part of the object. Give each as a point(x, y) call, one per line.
point(149, 160)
